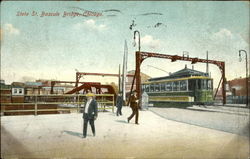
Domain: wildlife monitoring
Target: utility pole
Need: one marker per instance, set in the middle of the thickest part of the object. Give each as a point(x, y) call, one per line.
point(246, 74)
point(124, 71)
point(119, 80)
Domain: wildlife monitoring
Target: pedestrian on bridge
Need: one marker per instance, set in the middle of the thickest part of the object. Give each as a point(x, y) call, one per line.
point(134, 105)
point(119, 102)
point(90, 112)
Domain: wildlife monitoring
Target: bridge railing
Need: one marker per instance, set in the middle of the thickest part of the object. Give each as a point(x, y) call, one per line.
point(52, 104)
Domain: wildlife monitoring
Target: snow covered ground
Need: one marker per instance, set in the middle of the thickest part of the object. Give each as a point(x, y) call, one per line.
point(59, 136)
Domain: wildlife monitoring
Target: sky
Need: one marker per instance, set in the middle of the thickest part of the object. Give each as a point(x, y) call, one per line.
point(34, 46)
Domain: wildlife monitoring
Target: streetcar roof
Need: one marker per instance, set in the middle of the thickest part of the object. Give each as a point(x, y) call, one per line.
point(177, 79)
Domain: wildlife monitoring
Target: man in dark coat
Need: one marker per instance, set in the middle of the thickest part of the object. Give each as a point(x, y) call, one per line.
point(119, 102)
point(89, 114)
point(135, 107)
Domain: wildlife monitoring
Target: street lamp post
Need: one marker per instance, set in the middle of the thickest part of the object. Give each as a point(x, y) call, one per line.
point(246, 74)
point(137, 68)
point(139, 45)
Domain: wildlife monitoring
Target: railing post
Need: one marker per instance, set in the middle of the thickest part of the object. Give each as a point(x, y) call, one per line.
point(78, 104)
point(103, 104)
point(113, 103)
point(2, 109)
point(36, 105)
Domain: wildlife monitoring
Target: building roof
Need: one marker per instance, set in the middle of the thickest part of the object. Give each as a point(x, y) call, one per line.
point(4, 86)
point(186, 72)
point(2, 81)
point(17, 84)
point(144, 77)
point(33, 83)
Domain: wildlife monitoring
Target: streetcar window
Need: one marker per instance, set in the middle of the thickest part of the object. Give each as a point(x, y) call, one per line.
point(204, 84)
point(183, 85)
point(175, 86)
point(152, 88)
point(191, 85)
point(157, 87)
point(169, 86)
point(198, 84)
point(20, 91)
point(147, 88)
point(178, 85)
point(15, 90)
point(209, 84)
point(163, 88)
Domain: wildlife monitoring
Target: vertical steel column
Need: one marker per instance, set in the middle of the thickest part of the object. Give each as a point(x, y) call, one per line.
point(131, 89)
point(223, 82)
point(217, 89)
point(138, 76)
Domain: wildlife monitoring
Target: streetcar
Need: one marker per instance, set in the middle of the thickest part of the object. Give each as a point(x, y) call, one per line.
point(186, 87)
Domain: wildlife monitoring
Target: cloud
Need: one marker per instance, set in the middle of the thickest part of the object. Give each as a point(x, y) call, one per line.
point(223, 34)
point(10, 29)
point(245, 35)
point(90, 25)
point(149, 41)
point(226, 39)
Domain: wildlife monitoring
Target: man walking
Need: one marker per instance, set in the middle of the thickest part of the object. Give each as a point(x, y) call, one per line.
point(135, 107)
point(119, 102)
point(89, 114)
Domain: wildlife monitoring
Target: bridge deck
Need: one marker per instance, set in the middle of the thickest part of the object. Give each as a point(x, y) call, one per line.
point(56, 136)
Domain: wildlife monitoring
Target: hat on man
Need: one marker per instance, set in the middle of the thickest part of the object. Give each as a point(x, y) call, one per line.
point(90, 95)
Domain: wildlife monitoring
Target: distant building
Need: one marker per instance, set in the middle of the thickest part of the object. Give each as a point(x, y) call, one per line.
point(17, 91)
point(32, 87)
point(57, 90)
point(236, 91)
point(33, 83)
point(129, 80)
point(5, 92)
point(3, 86)
point(17, 88)
point(238, 86)
point(2, 82)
